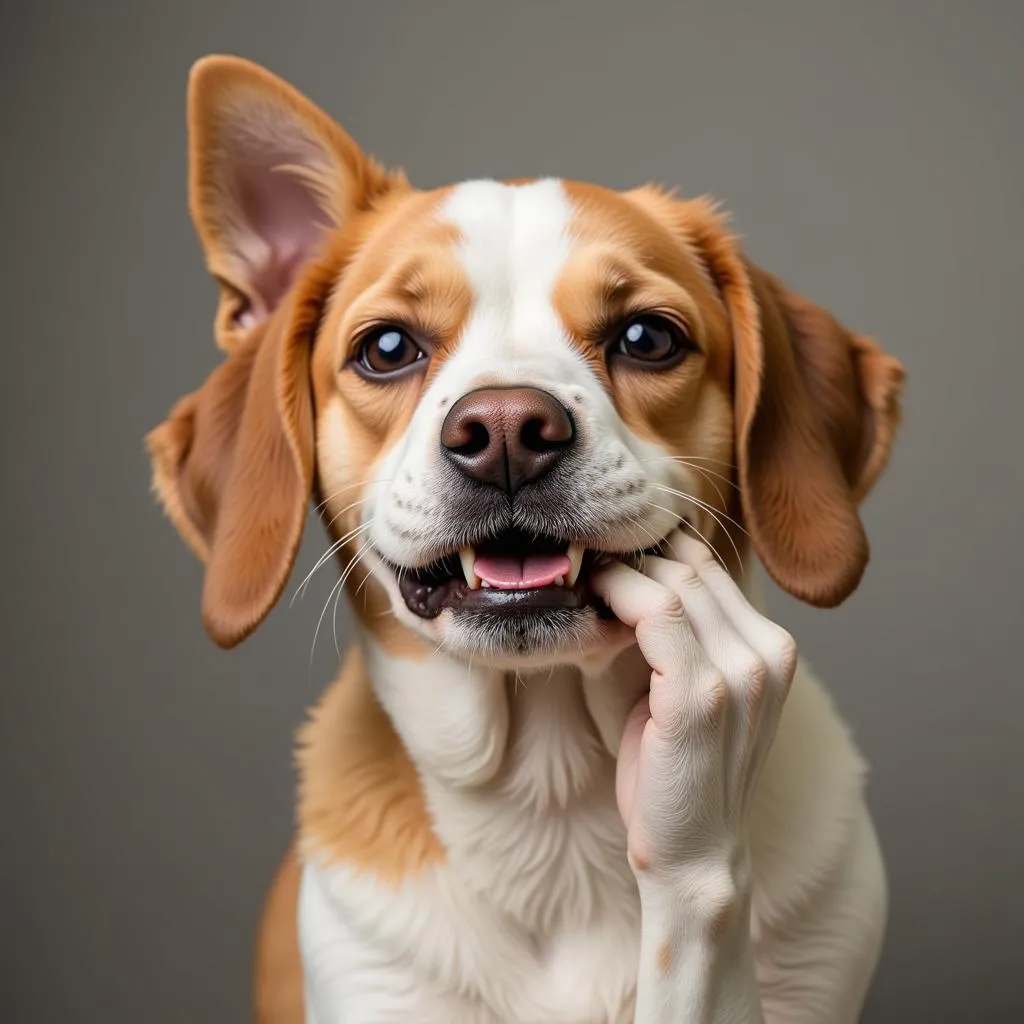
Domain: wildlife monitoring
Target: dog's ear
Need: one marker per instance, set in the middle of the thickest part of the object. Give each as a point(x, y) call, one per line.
point(233, 463)
point(816, 410)
point(269, 174)
point(233, 468)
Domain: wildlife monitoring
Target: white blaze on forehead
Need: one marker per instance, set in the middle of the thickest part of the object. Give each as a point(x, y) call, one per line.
point(513, 243)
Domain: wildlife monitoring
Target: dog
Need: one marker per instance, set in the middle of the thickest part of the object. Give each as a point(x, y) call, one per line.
point(569, 771)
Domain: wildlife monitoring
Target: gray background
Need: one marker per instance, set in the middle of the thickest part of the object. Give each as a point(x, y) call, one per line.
point(873, 157)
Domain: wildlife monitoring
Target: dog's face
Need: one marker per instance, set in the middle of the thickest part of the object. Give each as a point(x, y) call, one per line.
point(492, 387)
point(520, 364)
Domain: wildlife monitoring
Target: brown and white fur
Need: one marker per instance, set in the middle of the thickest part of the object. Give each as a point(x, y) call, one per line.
point(463, 854)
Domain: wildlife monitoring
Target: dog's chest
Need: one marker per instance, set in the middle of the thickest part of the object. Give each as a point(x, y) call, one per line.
point(542, 852)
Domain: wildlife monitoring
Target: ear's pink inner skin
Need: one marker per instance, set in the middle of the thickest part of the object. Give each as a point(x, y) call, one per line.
point(285, 219)
point(510, 573)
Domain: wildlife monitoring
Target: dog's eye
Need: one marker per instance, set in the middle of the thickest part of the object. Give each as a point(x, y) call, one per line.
point(387, 350)
point(652, 340)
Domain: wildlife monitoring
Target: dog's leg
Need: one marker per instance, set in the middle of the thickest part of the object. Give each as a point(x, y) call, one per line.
point(688, 766)
point(277, 994)
point(357, 973)
point(815, 967)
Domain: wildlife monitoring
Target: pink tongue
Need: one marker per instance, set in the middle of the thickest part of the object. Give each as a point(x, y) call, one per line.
point(520, 573)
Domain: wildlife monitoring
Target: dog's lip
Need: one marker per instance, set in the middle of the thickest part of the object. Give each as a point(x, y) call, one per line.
point(427, 597)
point(428, 601)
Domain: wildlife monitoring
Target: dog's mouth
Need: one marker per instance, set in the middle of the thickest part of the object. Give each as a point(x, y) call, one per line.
point(512, 572)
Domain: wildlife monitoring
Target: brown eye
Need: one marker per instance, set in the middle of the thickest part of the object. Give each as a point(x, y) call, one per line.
point(387, 350)
point(653, 340)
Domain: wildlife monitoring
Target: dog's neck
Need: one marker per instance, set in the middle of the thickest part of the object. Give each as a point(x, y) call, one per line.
point(518, 774)
point(518, 781)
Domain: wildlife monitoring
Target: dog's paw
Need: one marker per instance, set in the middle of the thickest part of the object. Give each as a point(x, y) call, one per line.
point(694, 746)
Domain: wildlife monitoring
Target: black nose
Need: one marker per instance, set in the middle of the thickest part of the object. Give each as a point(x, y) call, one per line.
point(507, 437)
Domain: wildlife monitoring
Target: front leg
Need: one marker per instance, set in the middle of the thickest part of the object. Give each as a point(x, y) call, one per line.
point(689, 761)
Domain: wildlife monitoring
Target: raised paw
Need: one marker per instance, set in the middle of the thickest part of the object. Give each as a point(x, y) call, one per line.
point(693, 748)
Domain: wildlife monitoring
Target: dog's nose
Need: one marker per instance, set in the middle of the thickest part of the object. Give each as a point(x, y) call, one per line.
point(507, 437)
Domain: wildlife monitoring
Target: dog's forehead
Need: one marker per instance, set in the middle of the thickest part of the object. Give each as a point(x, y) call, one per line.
point(509, 235)
point(519, 236)
point(504, 249)
point(513, 243)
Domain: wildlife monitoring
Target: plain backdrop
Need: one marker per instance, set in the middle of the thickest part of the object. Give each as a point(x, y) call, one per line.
point(873, 156)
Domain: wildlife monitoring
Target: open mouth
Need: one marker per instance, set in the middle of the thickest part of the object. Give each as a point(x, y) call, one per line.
point(512, 572)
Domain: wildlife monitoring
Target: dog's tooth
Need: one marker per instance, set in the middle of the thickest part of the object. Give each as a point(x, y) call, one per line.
point(468, 557)
point(575, 554)
point(559, 581)
point(485, 584)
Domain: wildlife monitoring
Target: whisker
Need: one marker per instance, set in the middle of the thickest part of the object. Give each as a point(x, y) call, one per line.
point(335, 590)
point(337, 545)
point(638, 523)
point(654, 539)
point(713, 512)
point(300, 589)
point(708, 542)
point(716, 512)
point(349, 487)
point(353, 504)
point(710, 475)
point(366, 579)
point(350, 568)
point(698, 458)
point(710, 545)
point(319, 622)
point(705, 473)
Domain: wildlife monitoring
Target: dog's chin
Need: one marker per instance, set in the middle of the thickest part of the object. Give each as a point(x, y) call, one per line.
point(524, 630)
point(535, 637)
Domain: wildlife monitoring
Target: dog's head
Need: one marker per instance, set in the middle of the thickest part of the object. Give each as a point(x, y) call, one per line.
point(491, 387)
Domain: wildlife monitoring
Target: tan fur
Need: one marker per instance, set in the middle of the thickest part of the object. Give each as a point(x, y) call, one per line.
point(360, 801)
point(278, 986)
point(664, 958)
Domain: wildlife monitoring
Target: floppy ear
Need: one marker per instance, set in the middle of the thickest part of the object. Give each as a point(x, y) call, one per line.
point(269, 174)
point(233, 468)
point(233, 463)
point(816, 409)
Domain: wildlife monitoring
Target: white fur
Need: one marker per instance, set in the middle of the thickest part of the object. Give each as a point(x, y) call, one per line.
point(535, 917)
point(535, 914)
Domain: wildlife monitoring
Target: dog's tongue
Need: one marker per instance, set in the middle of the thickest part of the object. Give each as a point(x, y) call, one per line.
point(512, 573)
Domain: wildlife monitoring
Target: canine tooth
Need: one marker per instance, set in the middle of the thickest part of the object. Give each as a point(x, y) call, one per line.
point(467, 557)
point(559, 581)
point(575, 554)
